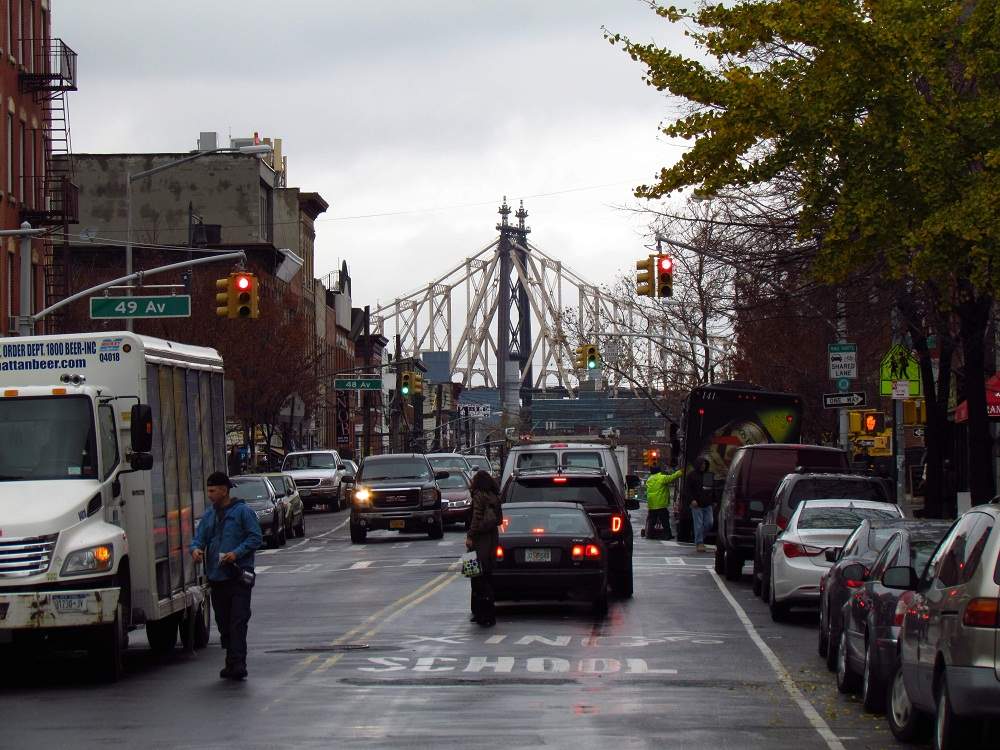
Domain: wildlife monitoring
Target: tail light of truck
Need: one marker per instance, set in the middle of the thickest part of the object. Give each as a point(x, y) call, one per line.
point(792, 549)
point(616, 523)
point(499, 553)
point(982, 613)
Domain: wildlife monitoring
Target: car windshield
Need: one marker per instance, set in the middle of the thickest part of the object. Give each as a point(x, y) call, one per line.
point(592, 493)
point(828, 517)
point(454, 481)
point(398, 468)
point(445, 463)
point(254, 491)
point(479, 463)
point(826, 489)
point(545, 521)
point(300, 461)
point(769, 466)
point(47, 438)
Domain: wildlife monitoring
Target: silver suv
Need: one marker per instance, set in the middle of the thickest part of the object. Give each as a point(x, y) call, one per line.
point(317, 476)
point(948, 643)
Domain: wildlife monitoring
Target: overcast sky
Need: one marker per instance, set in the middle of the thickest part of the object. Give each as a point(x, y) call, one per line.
point(436, 108)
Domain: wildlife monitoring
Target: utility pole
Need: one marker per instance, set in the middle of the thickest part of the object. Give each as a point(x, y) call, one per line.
point(366, 399)
point(397, 404)
point(843, 419)
point(437, 416)
point(24, 323)
point(898, 433)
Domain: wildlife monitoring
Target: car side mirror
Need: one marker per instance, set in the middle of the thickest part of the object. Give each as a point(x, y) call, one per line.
point(347, 480)
point(854, 572)
point(141, 461)
point(441, 475)
point(141, 428)
point(632, 503)
point(632, 481)
point(831, 554)
point(901, 577)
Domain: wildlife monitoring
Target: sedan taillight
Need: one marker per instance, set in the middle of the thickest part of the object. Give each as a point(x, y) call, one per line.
point(499, 553)
point(792, 549)
point(982, 613)
point(577, 552)
point(592, 551)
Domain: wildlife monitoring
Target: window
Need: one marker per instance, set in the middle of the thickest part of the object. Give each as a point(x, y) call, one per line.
point(978, 538)
point(851, 545)
point(109, 439)
point(31, 37)
point(10, 153)
point(266, 213)
point(10, 27)
point(24, 36)
point(819, 517)
point(946, 566)
point(887, 559)
point(21, 171)
point(591, 493)
point(278, 485)
point(11, 281)
point(587, 460)
point(527, 461)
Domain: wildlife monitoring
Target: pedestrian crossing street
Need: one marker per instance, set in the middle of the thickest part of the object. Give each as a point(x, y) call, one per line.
point(309, 556)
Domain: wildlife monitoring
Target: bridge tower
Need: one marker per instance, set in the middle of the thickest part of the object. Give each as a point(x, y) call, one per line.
point(514, 370)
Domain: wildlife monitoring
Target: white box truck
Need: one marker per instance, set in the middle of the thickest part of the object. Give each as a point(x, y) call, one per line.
point(105, 443)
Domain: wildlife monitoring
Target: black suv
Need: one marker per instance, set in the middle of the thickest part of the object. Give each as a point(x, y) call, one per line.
point(793, 489)
point(398, 492)
point(600, 498)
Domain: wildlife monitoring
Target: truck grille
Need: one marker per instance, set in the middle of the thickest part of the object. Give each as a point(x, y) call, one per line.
point(26, 556)
point(306, 482)
point(392, 499)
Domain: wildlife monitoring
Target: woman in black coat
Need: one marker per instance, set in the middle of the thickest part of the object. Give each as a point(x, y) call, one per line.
point(484, 537)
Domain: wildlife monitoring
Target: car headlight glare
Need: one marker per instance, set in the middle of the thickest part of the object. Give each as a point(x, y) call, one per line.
point(90, 560)
point(362, 496)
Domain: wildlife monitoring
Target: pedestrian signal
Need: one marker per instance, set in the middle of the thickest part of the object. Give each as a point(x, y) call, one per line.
point(873, 422)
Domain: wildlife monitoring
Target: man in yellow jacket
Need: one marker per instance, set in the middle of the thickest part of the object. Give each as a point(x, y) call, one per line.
point(658, 501)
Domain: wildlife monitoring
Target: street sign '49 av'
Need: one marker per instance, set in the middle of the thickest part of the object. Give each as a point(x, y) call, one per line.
point(166, 306)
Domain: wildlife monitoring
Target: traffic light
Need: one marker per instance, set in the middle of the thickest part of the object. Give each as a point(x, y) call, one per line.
point(654, 457)
point(665, 276)
point(416, 383)
point(580, 362)
point(406, 384)
point(873, 422)
point(593, 357)
point(644, 277)
point(237, 296)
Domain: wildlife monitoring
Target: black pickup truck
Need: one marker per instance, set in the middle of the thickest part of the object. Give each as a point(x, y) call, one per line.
point(398, 492)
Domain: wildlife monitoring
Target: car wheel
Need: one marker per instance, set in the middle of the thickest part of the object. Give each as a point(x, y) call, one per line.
point(720, 558)
point(847, 680)
point(832, 639)
point(300, 529)
point(765, 580)
point(822, 645)
point(623, 584)
point(950, 731)
point(906, 723)
point(872, 689)
point(779, 610)
point(280, 538)
point(436, 530)
point(755, 577)
point(358, 534)
point(734, 566)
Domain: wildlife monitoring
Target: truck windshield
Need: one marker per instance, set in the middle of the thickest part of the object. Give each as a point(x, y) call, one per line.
point(309, 461)
point(394, 468)
point(47, 438)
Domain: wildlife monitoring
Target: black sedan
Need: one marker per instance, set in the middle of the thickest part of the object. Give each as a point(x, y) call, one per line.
point(551, 550)
point(259, 496)
point(862, 546)
point(873, 615)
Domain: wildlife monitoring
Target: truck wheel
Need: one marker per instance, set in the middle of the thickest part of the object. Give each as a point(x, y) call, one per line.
point(202, 627)
point(733, 566)
point(162, 634)
point(720, 558)
point(436, 531)
point(107, 651)
point(358, 534)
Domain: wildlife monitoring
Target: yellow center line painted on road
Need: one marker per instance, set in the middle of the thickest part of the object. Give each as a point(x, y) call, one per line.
point(440, 583)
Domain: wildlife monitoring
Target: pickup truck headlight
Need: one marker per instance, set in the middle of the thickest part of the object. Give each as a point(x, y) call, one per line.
point(90, 560)
point(362, 497)
point(428, 496)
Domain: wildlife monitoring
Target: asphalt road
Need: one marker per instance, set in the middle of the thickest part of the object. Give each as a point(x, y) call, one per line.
point(370, 646)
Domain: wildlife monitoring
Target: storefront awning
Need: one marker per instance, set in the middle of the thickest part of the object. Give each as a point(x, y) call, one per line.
point(992, 401)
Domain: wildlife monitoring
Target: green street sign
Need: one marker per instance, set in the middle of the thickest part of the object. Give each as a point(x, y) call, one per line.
point(357, 384)
point(166, 306)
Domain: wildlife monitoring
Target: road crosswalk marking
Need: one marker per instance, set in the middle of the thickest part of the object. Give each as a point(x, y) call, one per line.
point(361, 564)
point(411, 563)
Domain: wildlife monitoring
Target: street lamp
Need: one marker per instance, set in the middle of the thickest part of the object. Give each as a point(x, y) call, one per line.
point(258, 148)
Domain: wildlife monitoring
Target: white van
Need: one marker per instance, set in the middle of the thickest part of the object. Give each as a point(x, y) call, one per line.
point(566, 454)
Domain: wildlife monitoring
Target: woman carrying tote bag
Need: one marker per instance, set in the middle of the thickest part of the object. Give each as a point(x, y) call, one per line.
point(483, 537)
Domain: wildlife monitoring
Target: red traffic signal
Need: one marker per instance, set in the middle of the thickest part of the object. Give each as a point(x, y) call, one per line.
point(243, 282)
point(666, 264)
point(664, 276)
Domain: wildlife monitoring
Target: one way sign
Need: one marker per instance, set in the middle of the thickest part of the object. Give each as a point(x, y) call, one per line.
point(841, 400)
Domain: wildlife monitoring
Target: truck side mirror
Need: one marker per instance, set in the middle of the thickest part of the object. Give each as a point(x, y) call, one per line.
point(141, 428)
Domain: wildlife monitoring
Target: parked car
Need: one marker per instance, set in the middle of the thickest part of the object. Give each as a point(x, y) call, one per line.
point(798, 560)
point(872, 616)
point(842, 580)
point(551, 550)
point(396, 491)
point(295, 511)
point(794, 488)
point(456, 498)
point(317, 475)
point(948, 666)
point(754, 475)
point(258, 494)
point(601, 499)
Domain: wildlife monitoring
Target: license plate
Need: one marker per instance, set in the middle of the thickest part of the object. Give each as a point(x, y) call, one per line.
point(397, 524)
point(3, 610)
point(70, 602)
point(538, 555)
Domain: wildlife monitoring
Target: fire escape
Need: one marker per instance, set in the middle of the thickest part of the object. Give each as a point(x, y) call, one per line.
point(51, 199)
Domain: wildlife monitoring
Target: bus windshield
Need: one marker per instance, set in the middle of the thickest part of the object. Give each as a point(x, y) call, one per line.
point(47, 438)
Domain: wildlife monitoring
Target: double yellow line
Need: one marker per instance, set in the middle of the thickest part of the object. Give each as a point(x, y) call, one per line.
point(374, 622)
